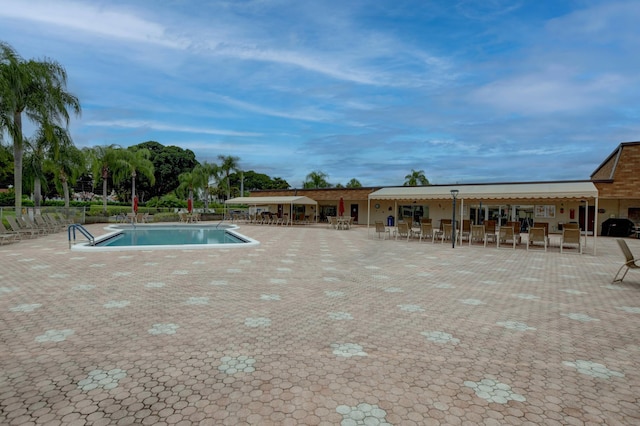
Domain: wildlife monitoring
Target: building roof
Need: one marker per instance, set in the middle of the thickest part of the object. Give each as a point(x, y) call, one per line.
point(607, 169)
point(501, 191)
point(263, 201)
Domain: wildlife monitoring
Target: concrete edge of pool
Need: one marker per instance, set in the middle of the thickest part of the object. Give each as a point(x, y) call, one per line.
point(115, 229)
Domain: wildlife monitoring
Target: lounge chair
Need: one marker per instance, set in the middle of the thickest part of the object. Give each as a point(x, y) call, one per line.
point(402, 230)
point(56, 221)
point(26, 223)
point(537, 235)
point(381, 229)
point(7, 235)
point(629, 261)
point(571, 236)
point(22, 231)
point(506, 234)
point(52, 222)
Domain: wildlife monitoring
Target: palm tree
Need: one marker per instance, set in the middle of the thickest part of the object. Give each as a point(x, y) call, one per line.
point(316, 179)
point(67, 163)
point(41, 152)
point(188, 181)
point(132, 162)
point(103, 160)
point(33, 165)
point(227, 165)
point(415, 178)
point(205, 172)
point(37, 89)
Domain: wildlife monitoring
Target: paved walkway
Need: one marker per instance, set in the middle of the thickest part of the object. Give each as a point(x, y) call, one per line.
point(317, 326)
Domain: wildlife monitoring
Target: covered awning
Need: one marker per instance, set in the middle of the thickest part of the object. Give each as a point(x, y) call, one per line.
point(529, 192)
point(276, 200)
point(264, 201)
point(503, 191)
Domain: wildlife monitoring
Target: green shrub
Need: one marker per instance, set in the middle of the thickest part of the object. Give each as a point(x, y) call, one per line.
point(165, 217)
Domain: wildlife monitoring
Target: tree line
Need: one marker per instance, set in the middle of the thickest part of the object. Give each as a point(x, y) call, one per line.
point(36, 90)
point(48, 161)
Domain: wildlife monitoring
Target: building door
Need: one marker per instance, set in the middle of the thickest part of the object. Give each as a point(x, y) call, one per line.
point(591, 220)
point(354, 212)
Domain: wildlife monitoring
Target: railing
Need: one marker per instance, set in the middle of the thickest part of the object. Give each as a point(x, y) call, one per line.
point(82, 230)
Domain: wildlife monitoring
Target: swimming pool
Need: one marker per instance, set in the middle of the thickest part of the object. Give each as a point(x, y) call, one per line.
point(159, 237)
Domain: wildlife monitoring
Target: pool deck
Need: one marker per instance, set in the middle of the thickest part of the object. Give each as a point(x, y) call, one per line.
point(318, 326)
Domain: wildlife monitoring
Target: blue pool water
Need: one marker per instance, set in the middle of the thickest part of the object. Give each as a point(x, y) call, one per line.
point(147, 237)
point(163, 237)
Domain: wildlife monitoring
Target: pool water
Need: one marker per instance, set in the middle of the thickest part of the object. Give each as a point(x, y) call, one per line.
point(179, 236)
point(158, 237)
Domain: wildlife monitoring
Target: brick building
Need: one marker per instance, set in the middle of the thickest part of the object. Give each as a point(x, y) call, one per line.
point(618, 183)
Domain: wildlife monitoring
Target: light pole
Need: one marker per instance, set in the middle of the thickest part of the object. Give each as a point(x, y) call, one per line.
point(454, 195)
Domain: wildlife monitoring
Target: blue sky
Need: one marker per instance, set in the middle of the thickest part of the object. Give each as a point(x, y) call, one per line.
point(468, 91)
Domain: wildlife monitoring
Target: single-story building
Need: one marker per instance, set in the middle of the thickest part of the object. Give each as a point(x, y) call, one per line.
point(612, 191)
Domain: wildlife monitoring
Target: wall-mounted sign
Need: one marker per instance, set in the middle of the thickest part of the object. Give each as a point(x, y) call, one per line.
point(545, 211)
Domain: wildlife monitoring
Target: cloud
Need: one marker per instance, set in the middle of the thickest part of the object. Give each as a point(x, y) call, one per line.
point(94, 19)
point(135, 124)
point(550, 91)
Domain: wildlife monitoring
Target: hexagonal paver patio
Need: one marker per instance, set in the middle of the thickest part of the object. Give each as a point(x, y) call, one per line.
point(317, 326)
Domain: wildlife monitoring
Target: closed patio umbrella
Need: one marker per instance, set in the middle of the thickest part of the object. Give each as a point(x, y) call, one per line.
point(341, 207)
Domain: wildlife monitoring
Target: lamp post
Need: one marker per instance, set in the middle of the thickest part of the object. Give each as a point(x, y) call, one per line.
point(454, 195)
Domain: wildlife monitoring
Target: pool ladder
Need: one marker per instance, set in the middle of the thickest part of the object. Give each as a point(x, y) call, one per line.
point(76, 226)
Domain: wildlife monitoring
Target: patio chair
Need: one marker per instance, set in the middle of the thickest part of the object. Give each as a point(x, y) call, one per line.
point(447, 229)
point(426, 231)
point(629, 263)
point(506, 234)
point(571, 236)
point(516, 230)
point(402, 230)
point(477, 234)
point(381, 229)
point(490, 232)
point(465, 232)
point(333, 222)
point(544, 225)
point(537, 235)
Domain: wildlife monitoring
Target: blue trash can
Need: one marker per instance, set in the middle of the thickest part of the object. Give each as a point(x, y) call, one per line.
point(390, 221)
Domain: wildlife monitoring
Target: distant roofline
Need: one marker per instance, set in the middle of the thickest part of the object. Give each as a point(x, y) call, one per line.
point(615, 152)
point(436, 185)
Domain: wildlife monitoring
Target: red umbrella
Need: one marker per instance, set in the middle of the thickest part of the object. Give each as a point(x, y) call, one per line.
point(135, 204)
point(341, 207)
point(189, 205)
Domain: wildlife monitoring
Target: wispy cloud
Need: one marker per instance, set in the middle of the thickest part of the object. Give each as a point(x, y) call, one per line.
point(145, 124)
point(93, 19)
point(467, 91)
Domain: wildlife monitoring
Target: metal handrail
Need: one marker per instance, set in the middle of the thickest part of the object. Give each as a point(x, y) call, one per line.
point(82, 230)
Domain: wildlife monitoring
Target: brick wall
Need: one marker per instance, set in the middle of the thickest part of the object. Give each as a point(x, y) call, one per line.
point(330, 194)
point(626, 178)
